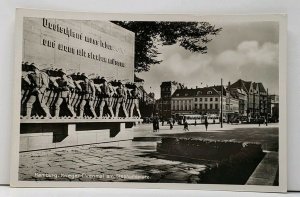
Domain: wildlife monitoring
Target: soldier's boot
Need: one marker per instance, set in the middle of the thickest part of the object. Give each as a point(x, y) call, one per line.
point(72, 111)
point(81, 107)
point(28, 112)
point(131, 111)
point(125, 111)
point(56, 114)
point(101, 113)
point(46, 110)
point(139, 113)
point(81, 113)
point(117, 111)
point(111, 111)
point(93, 112)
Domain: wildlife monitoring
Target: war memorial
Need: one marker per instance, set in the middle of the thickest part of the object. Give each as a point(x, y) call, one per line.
point(77, 84)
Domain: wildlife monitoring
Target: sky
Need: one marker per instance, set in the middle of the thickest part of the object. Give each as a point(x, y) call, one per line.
point(246, 51)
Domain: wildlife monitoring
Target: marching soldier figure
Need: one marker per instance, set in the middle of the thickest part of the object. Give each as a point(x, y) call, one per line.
point(106, 97)
point(88, 95)
point(65, 85)
point(25, 83)
point(121, 99)
point(97, 84)
point(51, 92)
point(77, 95)
point(135, 95)
point(39, 83)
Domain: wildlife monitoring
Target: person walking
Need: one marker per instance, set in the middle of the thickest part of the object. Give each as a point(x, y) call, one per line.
point(171, 123)
point(154, 124)
point(206, 123)
point(157, 124)
point(185, 126)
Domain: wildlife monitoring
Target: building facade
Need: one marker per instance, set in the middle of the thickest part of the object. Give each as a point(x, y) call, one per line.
point(252, 98)
point(167, 88)
point(204, 101)
point(274, 107)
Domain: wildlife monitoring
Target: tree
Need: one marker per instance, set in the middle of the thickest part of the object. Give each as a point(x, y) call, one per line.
point(192, 36)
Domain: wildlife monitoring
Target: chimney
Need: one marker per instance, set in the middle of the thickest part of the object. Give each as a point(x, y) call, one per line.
point(229, 84)
point(196, 87)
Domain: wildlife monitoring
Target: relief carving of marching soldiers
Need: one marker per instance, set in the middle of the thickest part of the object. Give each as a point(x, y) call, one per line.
point(54, 93)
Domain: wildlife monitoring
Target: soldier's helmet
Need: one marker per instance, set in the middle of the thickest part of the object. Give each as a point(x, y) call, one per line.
point(120, 83)
point(25, 66)
point(32, 67)
point(61, 72)
point(83, 76)
point(102, 80)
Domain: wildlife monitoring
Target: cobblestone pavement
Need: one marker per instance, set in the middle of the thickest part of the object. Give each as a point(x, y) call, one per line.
point(96, 163)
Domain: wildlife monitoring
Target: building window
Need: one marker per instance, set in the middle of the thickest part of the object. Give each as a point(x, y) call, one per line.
point(205, 106)
point(200, 106)
point(186, 94)
point(211, 99)
point(216, 106)
point(196, 99)
point(196, 106)
point(211, 106)
point(205, 99)
point(199, 92)
point(200, 99)
point(209, 92)
point(216, 99)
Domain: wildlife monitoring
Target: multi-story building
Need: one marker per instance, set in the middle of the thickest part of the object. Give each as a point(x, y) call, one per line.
point(167, 88)
point(252, 97)
point(263, 100)
point(274, 107)
point(206, 100)
point(238, 90)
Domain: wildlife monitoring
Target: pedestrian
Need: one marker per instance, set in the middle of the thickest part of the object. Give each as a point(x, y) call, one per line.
point(195, 122)
point(173, 121)
point(162, 122)
point(155, 124)
point(266, 121)
point(171, 125)
point(185, 126)
point(206, 123)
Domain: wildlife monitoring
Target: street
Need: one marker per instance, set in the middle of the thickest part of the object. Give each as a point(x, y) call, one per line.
point(265, 135)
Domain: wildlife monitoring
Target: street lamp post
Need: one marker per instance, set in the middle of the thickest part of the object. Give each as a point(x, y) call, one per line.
point(221, 121)
point(267, 114)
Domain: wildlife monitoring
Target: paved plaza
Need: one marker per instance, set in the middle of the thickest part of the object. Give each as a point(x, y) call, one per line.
point(136, 161)
point(97, 163)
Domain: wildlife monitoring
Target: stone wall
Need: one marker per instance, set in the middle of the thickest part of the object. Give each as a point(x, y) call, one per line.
point(91, 47)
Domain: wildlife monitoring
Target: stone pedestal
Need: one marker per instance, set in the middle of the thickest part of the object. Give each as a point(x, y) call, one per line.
point(44, 134)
